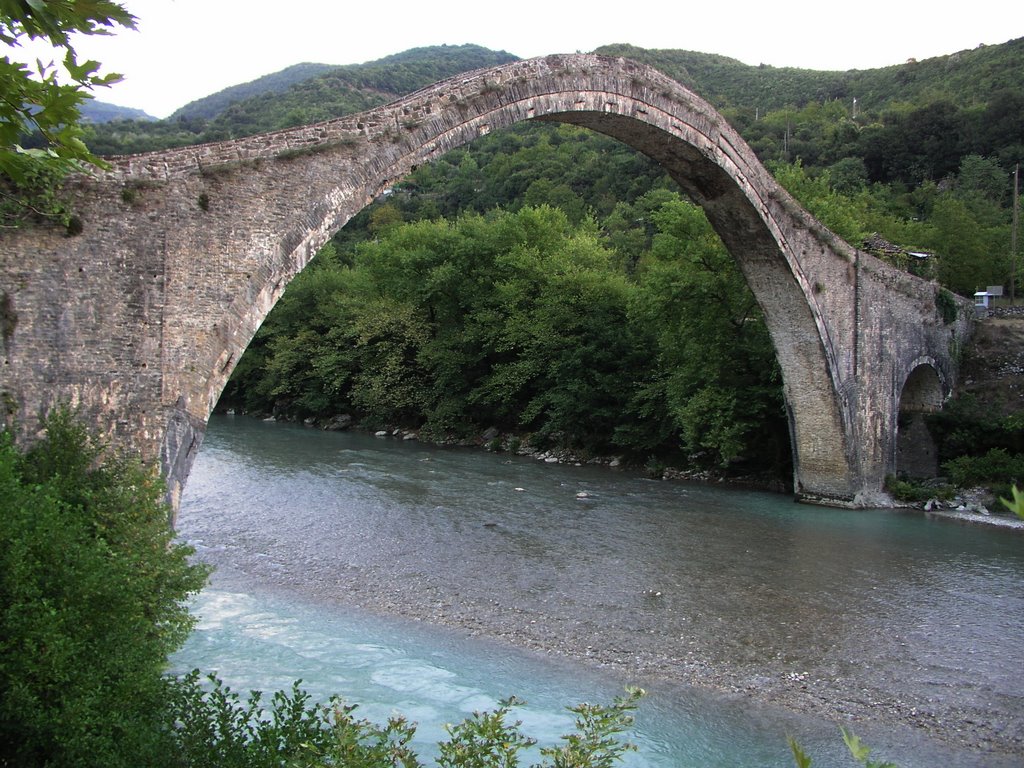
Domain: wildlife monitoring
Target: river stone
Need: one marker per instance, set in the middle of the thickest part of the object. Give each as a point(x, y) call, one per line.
point(339, 422)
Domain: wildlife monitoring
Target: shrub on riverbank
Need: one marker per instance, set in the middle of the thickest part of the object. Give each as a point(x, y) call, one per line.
point(216, 728)
point(92, 600)
point(916, 491)
point(997, 468)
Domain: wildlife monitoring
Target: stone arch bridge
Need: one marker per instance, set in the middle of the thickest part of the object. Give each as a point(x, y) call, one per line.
point(139, 316)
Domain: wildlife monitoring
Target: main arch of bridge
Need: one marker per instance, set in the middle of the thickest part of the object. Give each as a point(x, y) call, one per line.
point(140, 317)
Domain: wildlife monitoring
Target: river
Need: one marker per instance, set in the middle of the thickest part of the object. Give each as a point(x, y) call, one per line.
point(437, 581)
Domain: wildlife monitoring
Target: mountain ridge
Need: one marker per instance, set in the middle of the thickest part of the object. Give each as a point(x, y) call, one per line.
point(362, 75)
point(275, 82)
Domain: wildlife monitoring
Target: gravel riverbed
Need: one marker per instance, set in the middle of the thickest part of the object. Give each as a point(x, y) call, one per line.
point(642, 652)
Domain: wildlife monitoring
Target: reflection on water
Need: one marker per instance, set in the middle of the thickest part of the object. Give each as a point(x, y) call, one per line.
point(312, 532)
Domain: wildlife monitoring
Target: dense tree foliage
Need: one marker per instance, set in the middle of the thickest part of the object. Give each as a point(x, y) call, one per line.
point(92, 593)
point(716, 374)
point(530, 323)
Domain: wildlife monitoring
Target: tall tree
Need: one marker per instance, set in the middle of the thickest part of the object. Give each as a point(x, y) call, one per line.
point(717, 381)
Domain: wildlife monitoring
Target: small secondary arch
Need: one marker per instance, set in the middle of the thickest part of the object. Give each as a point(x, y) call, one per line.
point(922, 393)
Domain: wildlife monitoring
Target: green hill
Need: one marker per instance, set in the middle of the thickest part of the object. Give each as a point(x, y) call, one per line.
point(101, 112)
point(328, 90)
point(965, 79)
point(210, 106)
point(298, 95)
point(968, 81)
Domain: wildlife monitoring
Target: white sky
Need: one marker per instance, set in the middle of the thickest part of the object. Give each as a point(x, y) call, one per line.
point(186, 49)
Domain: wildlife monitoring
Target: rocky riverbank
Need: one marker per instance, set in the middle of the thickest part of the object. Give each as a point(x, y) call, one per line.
point(495, 440)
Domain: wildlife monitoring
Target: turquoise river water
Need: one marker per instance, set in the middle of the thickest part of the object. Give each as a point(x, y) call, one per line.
point(436, 581)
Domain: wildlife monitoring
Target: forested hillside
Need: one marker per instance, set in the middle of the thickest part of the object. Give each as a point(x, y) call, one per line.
point(298, 95)
point(210, 106)
point(551, 283)
point(965, 79)
point(101, 112)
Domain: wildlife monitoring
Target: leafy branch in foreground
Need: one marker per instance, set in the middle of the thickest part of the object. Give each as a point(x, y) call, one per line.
point(595, 743)
point(1017, 505)
point(40, 104)
point(860, 753)
point(215, 728)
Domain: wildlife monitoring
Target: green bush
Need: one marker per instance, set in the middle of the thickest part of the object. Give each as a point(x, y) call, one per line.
point(912, 491)
point(996, 466)
point(946, 305)
point(92, 594)
point(965, 427)
point(215, 728)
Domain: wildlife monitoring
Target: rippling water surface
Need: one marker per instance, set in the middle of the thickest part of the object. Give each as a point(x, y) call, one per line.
point(325, 541)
